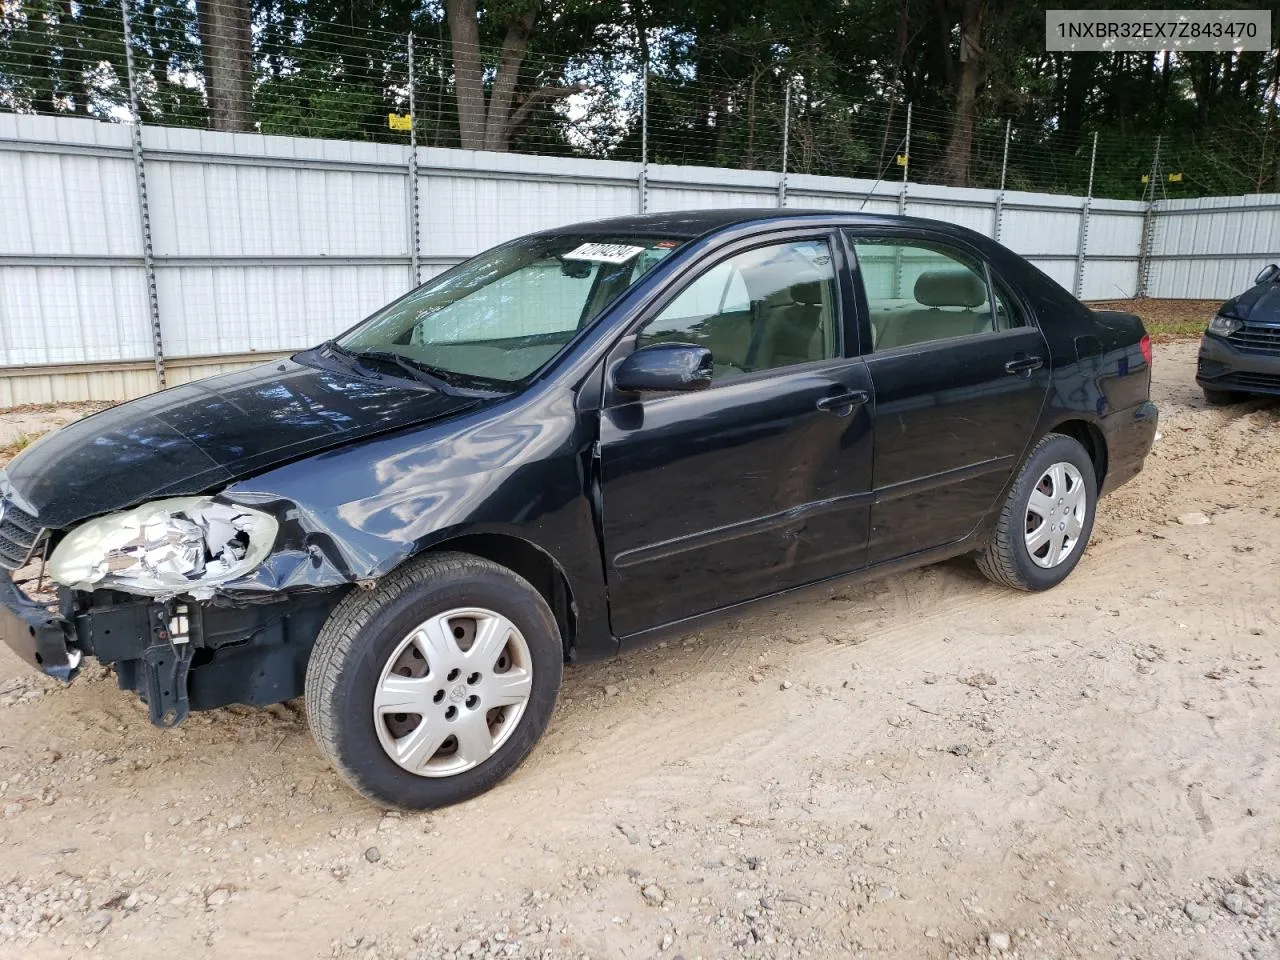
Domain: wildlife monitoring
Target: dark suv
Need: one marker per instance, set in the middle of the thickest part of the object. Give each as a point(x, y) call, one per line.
point(1240, 351)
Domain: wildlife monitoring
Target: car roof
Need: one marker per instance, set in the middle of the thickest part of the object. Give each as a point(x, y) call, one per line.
point(688, 224)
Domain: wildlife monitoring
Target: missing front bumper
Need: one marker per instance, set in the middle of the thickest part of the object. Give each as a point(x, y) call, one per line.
point(141, 633)
point(178, 656)
point(37, 635)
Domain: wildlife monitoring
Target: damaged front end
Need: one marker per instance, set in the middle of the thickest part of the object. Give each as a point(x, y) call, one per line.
point(185, 545)
point(151, 591)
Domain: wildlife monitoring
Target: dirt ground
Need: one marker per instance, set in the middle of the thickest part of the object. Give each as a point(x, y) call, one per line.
point(926, 766)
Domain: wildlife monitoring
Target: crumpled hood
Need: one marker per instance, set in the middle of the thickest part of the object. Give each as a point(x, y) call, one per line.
point(1259, 304)
point(202, 435)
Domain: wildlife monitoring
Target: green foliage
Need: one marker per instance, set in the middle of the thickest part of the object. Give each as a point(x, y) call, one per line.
point(718, 75)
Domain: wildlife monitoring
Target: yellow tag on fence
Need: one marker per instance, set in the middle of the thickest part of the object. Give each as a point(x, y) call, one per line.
point(1175, 178)
point(399, 121)
point(1146, 178)
point(902, 159)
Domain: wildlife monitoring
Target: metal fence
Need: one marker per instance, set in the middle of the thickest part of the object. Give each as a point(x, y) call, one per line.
point(135, 256)
point(735, 103)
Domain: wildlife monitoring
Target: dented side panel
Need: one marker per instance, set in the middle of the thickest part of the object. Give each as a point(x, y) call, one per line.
point(514, 469)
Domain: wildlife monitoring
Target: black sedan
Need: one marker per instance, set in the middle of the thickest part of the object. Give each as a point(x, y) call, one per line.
point(567, 445)
point(1240, 351)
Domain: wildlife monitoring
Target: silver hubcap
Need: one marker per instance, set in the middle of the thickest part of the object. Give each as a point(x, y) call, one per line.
point(452, 692)
point(1056, 515)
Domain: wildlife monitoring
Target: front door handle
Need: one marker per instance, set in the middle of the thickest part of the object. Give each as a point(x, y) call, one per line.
point(842, 404)
point(1023, 364)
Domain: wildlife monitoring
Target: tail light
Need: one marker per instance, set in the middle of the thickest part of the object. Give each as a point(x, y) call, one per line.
point(1145, 346)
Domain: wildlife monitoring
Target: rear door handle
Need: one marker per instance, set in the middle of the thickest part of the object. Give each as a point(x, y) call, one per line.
point(843, 403)
point(1023, 364)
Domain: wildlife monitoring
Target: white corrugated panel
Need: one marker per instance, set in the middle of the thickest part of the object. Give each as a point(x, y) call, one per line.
point(1198, 227)
point(241, 197)
point(665, 199)
point(66, 205)
point(981, 219)
point(1114, 234)
point(219, 310)
point(461, 215)
point(1218, 252)
point(77, 386)
point(72, 314)
point(228, 210)
point(1110, 279)
point(1194, 278)
point(1062, 271)
point(882, 201)
point(700, 188)
point(1030, 232)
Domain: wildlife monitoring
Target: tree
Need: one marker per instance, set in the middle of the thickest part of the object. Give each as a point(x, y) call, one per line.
point(488, 123)
point(955, 167)
point(228, 62)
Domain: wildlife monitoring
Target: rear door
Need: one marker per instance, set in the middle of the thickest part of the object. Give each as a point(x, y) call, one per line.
point(760, 482)
point(960, 373)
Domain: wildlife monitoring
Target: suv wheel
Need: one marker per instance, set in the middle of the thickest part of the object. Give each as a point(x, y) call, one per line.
point(1046, 520)
point(435, 685)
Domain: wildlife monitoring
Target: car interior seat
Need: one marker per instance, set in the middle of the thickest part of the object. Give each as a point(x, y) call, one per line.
point(791, 327)
point(951, 302)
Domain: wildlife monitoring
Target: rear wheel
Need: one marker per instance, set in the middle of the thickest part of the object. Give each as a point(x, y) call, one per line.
point(435, 685)
point(1221, 398)
point(1046, 520)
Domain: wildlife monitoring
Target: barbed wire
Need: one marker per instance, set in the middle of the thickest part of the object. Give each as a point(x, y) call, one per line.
point(723, 105)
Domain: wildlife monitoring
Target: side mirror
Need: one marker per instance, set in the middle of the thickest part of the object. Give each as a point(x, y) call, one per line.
point(662, 367)
point(1270, 272)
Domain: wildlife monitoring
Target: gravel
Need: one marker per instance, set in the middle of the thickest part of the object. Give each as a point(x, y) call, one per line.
point(958, 771)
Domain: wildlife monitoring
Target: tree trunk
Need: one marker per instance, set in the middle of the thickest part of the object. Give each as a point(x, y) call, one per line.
point(498, 126)
point(955, 168)
point(468, 74)
point(1081, 81)
point(1275, 123)
point(228, 62)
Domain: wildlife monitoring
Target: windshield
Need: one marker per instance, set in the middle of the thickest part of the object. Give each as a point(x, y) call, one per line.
point(503, 315)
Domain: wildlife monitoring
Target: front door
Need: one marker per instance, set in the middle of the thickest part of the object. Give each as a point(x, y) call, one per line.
point(960, 374)
point(760, 482)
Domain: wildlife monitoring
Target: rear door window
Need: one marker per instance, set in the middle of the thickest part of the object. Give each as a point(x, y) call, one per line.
point(919, 291)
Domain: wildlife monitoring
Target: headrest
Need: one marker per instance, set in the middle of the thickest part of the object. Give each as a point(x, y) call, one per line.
point(950, 288)
point(809, 292)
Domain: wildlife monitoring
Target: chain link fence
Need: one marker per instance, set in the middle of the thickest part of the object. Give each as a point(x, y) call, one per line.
point(698, 106)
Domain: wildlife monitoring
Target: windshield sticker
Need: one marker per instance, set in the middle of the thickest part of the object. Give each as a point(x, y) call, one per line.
point(603, 252)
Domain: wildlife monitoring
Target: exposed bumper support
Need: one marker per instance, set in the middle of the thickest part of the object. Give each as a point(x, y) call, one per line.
point(140, 632)
point(177, 656)
point(41, 638)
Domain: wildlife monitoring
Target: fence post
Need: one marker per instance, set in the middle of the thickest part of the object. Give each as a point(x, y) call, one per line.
point(1004, 170)
point(415, 240)
point(906, 165)
point(1148, 224)
point(1083, 238)
point(786, 143)
point(642, 184)
point(144, 209)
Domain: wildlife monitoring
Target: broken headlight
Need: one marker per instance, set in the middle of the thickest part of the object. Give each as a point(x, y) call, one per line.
point(166, 547)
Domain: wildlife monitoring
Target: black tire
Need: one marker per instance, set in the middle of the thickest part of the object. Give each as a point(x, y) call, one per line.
point(1221, 398)
point(360, 636)
point(1006, 559)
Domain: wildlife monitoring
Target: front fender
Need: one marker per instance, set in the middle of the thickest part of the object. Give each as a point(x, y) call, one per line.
point(517, 469)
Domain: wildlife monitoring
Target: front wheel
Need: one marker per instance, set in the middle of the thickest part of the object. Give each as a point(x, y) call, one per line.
point(435, 685)
point(1046, 520)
